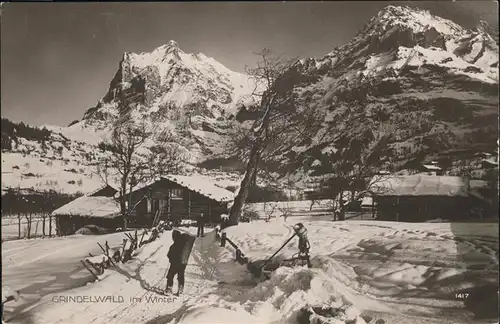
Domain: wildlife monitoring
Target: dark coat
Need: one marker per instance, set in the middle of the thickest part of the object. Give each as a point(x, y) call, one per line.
point(175, 251)
point(201, 220)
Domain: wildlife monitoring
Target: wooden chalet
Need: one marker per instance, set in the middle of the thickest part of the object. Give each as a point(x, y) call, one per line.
point(417, 198)
point(98, 208)
point(178, 198)
point(431, 168)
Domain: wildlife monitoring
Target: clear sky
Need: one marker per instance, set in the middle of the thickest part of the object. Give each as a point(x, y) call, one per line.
point(57, 59)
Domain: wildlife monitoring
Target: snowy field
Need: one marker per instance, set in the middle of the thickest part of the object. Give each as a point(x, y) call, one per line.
point(300, 207)
point(40, 266)
point(365, 270)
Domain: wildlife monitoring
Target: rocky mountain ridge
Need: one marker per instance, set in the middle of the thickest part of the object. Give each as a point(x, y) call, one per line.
point(429, 83)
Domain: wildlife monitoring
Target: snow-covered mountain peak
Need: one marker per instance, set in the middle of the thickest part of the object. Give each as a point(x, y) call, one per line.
point(418, 20)
point(168, 53)
point(185, 92)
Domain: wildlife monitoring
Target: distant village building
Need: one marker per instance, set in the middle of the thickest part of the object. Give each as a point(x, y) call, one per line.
point(490, 162)
point(431, 168)
point(417, 198)
point(485, 165)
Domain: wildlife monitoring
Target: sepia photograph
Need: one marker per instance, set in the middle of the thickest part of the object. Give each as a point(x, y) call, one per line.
point(293, 162)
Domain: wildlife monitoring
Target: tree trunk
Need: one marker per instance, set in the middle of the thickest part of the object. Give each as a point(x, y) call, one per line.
point(43, 224)
point(253, 182)
point(29, 225)
point(123, 209)
point(241, 197)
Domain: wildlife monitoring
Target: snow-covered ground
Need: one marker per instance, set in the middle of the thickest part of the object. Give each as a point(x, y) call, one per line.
point(400, 272)
point(40, 266)
point(48, 173)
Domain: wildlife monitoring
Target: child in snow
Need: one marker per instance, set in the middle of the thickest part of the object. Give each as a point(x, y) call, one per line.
point(176, 265)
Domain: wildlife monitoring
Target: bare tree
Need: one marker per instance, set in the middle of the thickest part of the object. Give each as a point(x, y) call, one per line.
point(29, 217)
point(266, 75)
point(354, 168)
point(131, 163)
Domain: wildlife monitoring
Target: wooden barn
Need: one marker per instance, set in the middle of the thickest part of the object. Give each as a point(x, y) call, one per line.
point(417, 198)
point(178, 198)
point(97, 208)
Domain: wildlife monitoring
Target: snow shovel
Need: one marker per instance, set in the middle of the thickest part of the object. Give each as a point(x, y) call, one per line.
point(263, 269)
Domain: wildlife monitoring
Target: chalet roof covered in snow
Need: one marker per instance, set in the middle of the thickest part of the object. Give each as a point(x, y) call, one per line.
point(421, 185)
point(202, 186)
point(103, 207)
point(198, 184)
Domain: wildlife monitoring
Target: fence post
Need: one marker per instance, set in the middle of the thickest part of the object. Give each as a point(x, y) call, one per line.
point(29, 225)
point(19, 220)
point(223, 239)
point(50, 225)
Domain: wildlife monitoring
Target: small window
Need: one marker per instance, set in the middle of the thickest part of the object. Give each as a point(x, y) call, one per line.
point(175, 193)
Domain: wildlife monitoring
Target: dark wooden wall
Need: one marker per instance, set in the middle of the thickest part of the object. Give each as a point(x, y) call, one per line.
point(422, 208)
point(67, 224)
point(190, 206)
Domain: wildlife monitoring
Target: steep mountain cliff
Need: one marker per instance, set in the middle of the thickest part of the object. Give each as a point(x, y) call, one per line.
point(190, 94)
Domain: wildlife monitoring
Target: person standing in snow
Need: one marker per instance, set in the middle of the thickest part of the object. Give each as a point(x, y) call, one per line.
point(201, 226)
point(176, 264)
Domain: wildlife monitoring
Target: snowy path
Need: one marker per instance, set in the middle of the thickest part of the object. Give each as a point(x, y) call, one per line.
point(403, 273)
point(139, 284)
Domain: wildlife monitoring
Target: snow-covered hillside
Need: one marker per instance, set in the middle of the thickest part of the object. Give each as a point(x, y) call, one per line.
point(362, 271)
point(70, 166)
point(57, 163)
